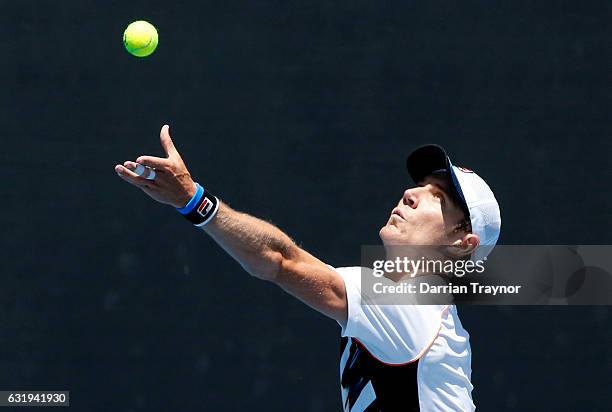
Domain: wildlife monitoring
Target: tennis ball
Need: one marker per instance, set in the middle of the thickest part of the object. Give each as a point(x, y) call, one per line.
point(140, 38)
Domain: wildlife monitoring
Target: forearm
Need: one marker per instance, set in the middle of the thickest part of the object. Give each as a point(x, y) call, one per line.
point(259, 247)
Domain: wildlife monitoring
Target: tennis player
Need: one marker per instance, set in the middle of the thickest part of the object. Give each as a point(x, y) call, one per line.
point(393, 357)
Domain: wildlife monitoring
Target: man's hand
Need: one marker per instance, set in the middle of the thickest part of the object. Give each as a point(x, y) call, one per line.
point(172, 185)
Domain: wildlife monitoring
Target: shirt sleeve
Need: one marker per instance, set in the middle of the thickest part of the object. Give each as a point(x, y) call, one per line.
point(394, 334)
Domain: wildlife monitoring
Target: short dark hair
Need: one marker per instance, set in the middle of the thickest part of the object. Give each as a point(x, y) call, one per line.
point(465, 225)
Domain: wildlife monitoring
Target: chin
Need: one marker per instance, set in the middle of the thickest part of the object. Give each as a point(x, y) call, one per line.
point(388, 234)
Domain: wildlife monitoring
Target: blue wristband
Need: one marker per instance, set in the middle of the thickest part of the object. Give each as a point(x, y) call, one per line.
point(193, 202)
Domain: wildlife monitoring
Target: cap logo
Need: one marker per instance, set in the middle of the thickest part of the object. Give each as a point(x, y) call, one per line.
point(465, 169)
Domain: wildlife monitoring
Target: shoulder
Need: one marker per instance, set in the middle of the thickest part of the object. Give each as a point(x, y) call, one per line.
point(392, 333)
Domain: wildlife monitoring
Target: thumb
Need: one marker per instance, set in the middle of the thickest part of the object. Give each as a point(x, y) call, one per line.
point(166, 141)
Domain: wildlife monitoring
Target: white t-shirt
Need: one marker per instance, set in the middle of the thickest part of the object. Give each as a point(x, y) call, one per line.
point(402, 357)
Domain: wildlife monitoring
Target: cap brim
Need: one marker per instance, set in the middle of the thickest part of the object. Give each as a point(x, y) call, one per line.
point(432, 159)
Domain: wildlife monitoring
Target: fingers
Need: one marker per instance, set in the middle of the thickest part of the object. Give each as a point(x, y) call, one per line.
point(132, 178)
point(141, 170)
point(129, 165)
point(166, 141)
point(152, 161)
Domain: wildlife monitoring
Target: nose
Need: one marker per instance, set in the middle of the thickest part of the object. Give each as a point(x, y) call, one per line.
point(410, 198)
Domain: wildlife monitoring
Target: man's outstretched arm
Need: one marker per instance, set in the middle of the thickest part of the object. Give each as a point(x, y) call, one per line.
point(262, 249)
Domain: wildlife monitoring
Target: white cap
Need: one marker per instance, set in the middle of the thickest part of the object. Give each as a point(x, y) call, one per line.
point(472, 193)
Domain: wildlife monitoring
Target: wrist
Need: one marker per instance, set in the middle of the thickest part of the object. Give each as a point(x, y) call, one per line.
point(186, 198)
point(191, 203)
point(201, 208)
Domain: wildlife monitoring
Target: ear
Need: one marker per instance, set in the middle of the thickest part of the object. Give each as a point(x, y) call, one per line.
point(465, 246)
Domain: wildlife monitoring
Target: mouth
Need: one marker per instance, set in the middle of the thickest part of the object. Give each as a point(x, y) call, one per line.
point(397, 212)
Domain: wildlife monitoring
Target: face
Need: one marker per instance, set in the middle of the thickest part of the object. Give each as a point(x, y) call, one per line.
point(425, 215)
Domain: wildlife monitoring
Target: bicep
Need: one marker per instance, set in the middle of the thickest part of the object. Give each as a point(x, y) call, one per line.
point(314, 283)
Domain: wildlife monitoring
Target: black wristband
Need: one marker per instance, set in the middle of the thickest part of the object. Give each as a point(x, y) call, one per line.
point(204, 210)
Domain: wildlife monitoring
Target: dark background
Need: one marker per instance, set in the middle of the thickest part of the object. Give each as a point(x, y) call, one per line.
point(300, 112)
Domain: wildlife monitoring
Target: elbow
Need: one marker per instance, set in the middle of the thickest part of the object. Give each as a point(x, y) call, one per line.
point(266, 267)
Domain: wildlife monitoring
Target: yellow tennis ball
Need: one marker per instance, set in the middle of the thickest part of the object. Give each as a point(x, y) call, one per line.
point(140, 38)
